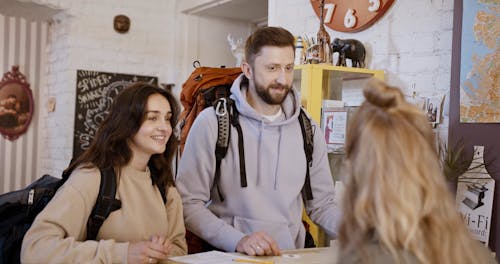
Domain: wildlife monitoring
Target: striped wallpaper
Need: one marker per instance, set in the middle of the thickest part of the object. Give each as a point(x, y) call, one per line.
point(23, 43)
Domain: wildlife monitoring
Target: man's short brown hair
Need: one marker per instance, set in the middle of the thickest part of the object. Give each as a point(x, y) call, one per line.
point(267, 36)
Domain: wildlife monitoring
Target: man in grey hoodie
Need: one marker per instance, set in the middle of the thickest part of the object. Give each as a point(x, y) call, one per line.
point(266, 216)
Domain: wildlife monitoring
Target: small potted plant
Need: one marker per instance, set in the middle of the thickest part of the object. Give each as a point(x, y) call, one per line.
point(454, 163)
point(452, 160)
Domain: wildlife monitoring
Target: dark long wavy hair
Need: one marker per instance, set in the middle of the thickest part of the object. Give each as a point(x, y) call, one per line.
point(110, 146)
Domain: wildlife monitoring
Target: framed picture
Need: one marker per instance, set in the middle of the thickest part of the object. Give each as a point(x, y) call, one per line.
point(479, 67)
point(433, 109)
point(16, 104)
point(334, 126)
point(431, 105)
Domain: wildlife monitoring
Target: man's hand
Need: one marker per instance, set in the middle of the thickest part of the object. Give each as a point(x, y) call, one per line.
point(258, 244)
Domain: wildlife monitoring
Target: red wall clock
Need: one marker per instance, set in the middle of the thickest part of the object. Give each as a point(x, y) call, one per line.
point(351, 15)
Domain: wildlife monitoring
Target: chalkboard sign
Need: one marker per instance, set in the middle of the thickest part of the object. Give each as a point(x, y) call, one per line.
point(94, 95)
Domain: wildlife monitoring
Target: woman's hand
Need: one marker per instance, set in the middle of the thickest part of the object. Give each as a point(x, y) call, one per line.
point(152, 251)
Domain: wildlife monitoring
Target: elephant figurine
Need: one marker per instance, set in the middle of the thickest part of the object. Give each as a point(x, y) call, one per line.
point(349, 48)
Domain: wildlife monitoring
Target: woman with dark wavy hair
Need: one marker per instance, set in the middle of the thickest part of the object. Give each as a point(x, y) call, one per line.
point(397, 207)
point(136, 140)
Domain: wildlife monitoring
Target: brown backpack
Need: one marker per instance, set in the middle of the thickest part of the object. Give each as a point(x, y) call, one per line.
point(204, 86)
point(202, 89)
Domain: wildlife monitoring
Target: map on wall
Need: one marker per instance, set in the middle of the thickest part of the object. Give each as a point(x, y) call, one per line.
point(95, 92)
point(480, 62)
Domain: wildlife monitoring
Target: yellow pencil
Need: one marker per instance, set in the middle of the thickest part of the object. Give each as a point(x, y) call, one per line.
point(254, 261)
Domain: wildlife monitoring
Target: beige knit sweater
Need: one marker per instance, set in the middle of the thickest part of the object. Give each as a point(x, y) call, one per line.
point(57, 234)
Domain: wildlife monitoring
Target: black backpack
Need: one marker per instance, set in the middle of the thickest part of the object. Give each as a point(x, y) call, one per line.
point(227, 115)
point(19, 208)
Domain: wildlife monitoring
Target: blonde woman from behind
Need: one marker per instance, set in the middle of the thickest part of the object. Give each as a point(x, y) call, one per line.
point(397, 205)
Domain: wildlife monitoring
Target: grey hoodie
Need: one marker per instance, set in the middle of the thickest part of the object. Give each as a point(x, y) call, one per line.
point(276, 168)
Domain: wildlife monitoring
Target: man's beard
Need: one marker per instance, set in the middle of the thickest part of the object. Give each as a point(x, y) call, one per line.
point(265, 93)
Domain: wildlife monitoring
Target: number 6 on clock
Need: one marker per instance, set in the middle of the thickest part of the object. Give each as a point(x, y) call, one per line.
point(351, 15)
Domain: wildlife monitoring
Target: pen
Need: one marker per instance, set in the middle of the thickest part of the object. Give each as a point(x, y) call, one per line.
point(254, 261)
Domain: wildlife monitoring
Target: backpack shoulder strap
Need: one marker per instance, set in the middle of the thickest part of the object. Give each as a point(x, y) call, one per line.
point(227, 115)
point(105, 203)
point(308, 138)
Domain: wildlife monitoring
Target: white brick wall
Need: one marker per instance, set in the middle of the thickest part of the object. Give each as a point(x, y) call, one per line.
point(82, 37)
point(411, 42)
point(159, 43)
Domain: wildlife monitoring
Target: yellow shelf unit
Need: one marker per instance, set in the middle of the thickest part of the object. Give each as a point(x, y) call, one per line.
point(317, 82)
point(324, 81)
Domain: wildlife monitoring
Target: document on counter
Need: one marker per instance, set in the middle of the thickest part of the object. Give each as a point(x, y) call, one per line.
point(217, 257)
point(325, 255)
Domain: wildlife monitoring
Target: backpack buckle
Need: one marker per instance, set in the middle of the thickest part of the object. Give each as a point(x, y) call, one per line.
point(221, 102)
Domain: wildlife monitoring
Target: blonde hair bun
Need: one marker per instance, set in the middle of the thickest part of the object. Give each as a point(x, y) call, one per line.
point(380, 94)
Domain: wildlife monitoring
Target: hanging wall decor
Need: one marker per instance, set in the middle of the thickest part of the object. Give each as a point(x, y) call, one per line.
point(353, 15)
point(475, 194)
point(121, 23)
point(16, 104)
point(479, 62)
